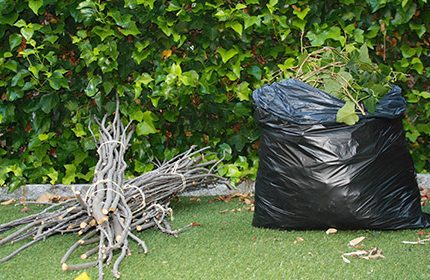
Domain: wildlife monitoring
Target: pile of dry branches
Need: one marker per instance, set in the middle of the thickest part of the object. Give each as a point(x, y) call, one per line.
point(108, 213)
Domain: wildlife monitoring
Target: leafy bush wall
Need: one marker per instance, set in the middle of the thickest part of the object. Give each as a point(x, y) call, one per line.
point(184, 71)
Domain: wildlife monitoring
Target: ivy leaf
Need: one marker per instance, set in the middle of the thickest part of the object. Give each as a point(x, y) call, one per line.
point(370, 104)
point(48, 102)
point(43, 136)
point(145, 79)
point(318, 39)
point(241, 110)
point(420, 29)
point(333, 87)
point(233, 171)
point(407, 51)
point(243, 91)
point(14, 41)
point(103, 32)
point(136, 115)
point(147, 3)
point(57, 80)
point(27, 32)
point(301, 14)
point(35, 5)
point(53, 175)
point(8, 19)
point(376, 4)
point(226, 55)
point(130, 29)
point(236, 26)
point(126, 22)
point(147, 126)
point(255, 71)
point(20, 23)
point(79, 130)
point(190, 78)
point(417, 65)
point(250, 21)
point(91, 88)
point(347, 114)
point(70, 175)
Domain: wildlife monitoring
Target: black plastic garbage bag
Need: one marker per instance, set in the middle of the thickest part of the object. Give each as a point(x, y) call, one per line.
point(315, 173)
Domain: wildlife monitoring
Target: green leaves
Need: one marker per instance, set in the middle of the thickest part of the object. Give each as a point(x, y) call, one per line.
point(318, 39)
point(62, 63)
point(128, 26)
point(236, 26)
point(364, 55)
point(57, 80)
point(146, 126)
point(103, 32)
point(14, 41)
point(226, 55)
point(348, 74)
point(91, 88)
point(243, 91)
point(35, 5)
point(48, 102)
point(347, 114)
point(301, 13)
point(70, 175)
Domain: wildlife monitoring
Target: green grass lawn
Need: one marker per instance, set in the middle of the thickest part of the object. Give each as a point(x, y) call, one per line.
point(226, 246)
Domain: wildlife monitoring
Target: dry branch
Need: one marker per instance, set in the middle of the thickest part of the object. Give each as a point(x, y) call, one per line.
point(107, 213)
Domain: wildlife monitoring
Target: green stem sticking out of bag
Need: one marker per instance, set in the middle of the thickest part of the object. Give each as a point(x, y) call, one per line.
point(348, 74)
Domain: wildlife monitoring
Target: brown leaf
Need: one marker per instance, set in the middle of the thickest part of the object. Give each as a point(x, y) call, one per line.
point(354, 242)
point(195, 224)
point(195, 199)
point(375, 253)
point(8, 202)
point(166, 54)
point(345, 259)
point(25, 209)
point(299, 240)
point(356, 253)
point(419, 241)
point(331, 231)
point(47, 197)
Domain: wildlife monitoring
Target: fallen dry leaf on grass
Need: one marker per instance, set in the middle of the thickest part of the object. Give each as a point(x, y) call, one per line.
point(355, 253)
point(25, 209)
point(231, 210)
point(425, 196)
point(418, 242)
point(51, 198)
point(345, 259)
point(245, 198)
point(354, 242)
point(46, 198)
point(299, 240)
point(8, 202)
point(372, 254)
point(331, 231)
point(422, 232)
point(195, 199)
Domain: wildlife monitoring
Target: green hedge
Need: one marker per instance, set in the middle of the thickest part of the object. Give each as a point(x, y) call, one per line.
point(184, 71)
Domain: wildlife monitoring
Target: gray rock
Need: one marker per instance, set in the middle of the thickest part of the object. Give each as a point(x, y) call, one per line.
point(32, 192)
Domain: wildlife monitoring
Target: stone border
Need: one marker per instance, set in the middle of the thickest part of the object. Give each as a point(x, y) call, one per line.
point(32, 192)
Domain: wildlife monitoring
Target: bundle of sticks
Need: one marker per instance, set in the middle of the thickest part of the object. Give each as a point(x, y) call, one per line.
point(108, 214)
